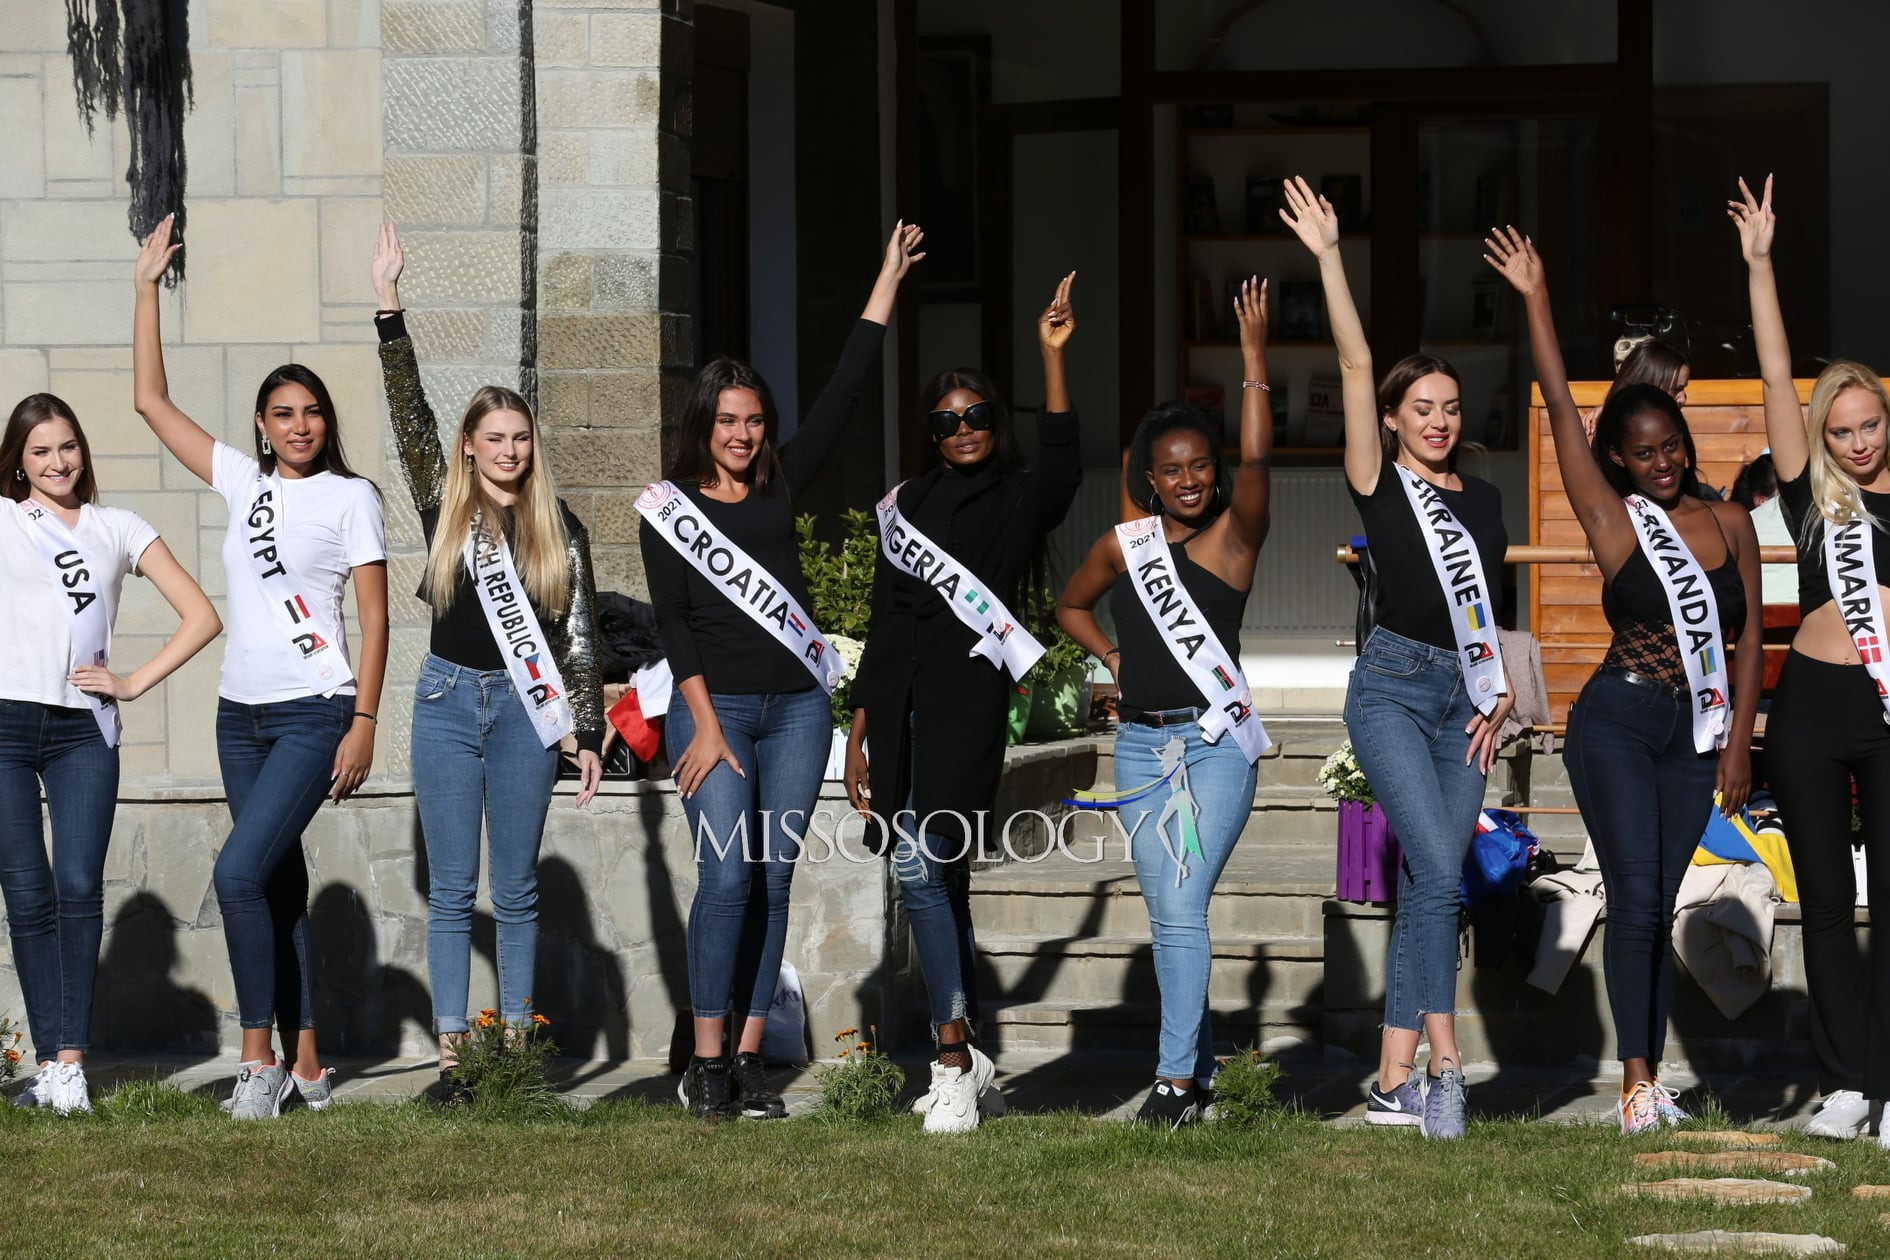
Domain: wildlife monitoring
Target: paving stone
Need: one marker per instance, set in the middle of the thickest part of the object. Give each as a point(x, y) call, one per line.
point(1720, 1190)
point(1871, 1192)
point(1729, 1138)
point(1727, 1242)
point(1790, 1163)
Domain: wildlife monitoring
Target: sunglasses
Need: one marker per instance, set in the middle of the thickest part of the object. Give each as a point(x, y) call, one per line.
point(979, 417)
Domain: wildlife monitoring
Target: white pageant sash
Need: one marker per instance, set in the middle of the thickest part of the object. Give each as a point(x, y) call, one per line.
point(748, 585)
point(1195, 646)
point(1001, 640)
point(528, 660)
point(314, 644)
point(1460, 572)
point(91, 633)
point(1695, 611)
point(1850, 566)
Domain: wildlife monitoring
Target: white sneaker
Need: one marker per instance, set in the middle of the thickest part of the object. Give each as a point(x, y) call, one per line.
point(958, 1094)
point(65, 1090)
point(1845, 1113)
point(34, 1095)
point(990, 1103)
point(260, 1091)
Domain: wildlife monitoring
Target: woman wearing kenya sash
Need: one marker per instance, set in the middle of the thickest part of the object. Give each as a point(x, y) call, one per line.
point(63, 561)
point(511, 667)
point(1827, 728)
point(295, 715)
point(750, 726)
point(1652, 740)
point(1428, 693)
point(929, 704)
point(1210, 520)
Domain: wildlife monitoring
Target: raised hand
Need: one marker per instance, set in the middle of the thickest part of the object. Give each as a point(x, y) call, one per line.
point(1312, 218)
point(906, 237)
point(1250, 309)
point(154, 256)
point(1514, 254)
point(1058, 320)
point(389, 261)
point(1755, 221)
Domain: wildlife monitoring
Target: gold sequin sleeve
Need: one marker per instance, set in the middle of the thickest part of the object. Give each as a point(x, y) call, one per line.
point(416, 432)
point(578, 630)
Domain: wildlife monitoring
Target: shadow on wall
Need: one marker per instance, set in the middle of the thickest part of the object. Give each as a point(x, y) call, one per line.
point(361, 1003)
point(579, 985)
point(137, 1006)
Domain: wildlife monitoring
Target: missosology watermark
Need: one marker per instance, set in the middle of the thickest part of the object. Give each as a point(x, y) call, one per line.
point(943, 836)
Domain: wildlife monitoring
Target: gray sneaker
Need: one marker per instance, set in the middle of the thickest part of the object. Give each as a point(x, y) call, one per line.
point(260, 1091)
point(1444, 1105)
point(1400, 1106)
point(317, 1093)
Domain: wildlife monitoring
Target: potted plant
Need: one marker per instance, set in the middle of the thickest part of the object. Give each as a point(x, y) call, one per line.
point(1059, 688)
point(1368, 848)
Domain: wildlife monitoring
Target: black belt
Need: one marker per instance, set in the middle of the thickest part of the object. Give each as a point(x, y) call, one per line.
point(1642, 680)
point(1168, 717)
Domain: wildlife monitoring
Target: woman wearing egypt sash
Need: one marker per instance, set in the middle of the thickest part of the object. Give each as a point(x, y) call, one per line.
point(1177, 581)
point(932, 696)
point(63, 561)
point(511, 668)
point(1827, 727)
point(1428, 693)
point(295, 713)
point(1664, 726)
point(750, 719)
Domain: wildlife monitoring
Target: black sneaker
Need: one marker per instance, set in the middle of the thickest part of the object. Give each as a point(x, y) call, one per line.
point(708, 1089)
point(759, 1101)
point(448, 1092)
point(1169, 1107)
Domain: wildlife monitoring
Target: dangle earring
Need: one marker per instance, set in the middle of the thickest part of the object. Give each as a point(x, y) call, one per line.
point(19, 474)
point(267, 449)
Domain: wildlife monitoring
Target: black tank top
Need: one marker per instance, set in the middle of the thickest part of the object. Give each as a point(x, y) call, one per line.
point(1151, 678)
point(1635, 604)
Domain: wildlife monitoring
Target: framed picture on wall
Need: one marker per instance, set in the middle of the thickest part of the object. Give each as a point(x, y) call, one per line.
point(953, 102)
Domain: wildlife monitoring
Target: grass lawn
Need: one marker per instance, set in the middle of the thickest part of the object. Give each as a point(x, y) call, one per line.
point(155, 1171)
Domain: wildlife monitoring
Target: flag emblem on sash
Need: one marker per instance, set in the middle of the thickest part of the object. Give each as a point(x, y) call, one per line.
point(1869, 649)
point(1709, 661)
point(298, 611)
point(1220, 676)
point(978, 601)
point(531, 666)
point(1473, 616)
point(800, 627)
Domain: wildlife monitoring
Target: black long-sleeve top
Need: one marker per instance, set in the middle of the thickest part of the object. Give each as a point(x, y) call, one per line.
point(702, 631)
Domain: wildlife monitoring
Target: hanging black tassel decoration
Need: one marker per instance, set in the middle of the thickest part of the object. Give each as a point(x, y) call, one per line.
point(134, 56)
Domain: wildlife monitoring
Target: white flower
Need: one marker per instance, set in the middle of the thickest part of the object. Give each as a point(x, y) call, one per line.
point(850, 651)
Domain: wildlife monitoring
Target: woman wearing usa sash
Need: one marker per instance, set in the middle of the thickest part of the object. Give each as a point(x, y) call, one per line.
point(932, 696)
point(750, 719)
point(1664, 727)
point(1827, 728)
point(1428, 693)
point(1177, 581)
point(63, 561)
point(295, 711)
point(511, 667)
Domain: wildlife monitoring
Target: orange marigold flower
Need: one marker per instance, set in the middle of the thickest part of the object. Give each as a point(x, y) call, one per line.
point(844, 1053)
point(866, 1047)
point(13, 1056)
point(484, 1021)
point(488, 1012)
point(540, 1020)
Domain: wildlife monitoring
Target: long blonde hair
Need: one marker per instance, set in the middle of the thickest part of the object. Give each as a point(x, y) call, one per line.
point(1832, 489)
point(538, 544)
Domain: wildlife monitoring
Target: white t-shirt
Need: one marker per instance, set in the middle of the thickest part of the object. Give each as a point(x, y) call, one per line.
point(36, 630)
point(329, 525)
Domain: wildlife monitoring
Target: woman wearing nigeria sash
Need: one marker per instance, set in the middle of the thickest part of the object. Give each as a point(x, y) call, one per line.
point(63, 561)
point(1828, 726)
point(1428, 693)
point(1177, 580)
point(1664, 726)
point(511, 667)
point(295, 715)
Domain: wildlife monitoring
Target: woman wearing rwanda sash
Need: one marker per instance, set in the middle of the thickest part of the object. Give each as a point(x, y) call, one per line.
point(1652, 738)
point(511, 667)
point(1178, 582)
point(932, 695)
point(295, 716)
point(750, 719)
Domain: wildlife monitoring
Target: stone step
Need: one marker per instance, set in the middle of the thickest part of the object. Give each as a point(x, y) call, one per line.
point(1107, 969)
point(1063, 1027)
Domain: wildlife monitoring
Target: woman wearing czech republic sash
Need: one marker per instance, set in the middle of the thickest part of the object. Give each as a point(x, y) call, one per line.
point(63, 561)
point(1828, 725)
point(1665, 724)
point(932, 695)
point(295, 715)
point(1428, 693)
point(511, 667)
point(751, 719)
point(1178, 581)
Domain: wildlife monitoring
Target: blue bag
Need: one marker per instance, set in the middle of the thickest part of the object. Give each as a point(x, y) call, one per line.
point(1499, 855)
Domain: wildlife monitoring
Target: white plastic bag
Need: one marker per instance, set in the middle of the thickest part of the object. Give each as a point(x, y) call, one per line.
point(784, 1037)
point(1859, 873)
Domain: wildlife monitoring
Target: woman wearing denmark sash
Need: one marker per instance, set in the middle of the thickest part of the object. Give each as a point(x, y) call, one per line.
point(932, 695)
point(1177, 582)
point(1428, 693)
point(63, 561)
point(1652, 739)
point(1827, 727)
point(750, 718)
point(510, 671)
point(295, 715)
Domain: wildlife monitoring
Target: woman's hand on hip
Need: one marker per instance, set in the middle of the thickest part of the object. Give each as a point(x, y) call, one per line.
point(704, 753)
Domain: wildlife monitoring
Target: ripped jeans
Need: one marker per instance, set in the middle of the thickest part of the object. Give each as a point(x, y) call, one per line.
point(934, 876)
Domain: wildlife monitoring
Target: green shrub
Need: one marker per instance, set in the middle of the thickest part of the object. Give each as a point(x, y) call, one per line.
point(1243, 1089)
point(862, 1084)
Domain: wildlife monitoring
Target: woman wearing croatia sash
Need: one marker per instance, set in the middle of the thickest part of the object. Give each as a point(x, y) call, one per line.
point(511, 667)
point(1428, 693)
point(750, 719)
point(295, 714)
point(1652, 739)
point(1177, 580)
point(63, 561)
point(1828, 726)
point(932, 695)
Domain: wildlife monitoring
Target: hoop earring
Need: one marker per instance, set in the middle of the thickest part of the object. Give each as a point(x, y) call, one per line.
point(267, 449)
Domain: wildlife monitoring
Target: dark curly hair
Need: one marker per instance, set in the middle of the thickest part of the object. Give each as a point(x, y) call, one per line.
point(1173, 417)
point(1611, 431)
point(1008, 454)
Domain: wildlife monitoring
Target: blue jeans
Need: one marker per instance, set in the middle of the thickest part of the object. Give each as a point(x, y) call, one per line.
point(278, 763)
point(1406, 711)
point(1175, 884)
point(1645, 796)
point(933, 872)
point(56, 910)
point(477, 756)
point(742, 823)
